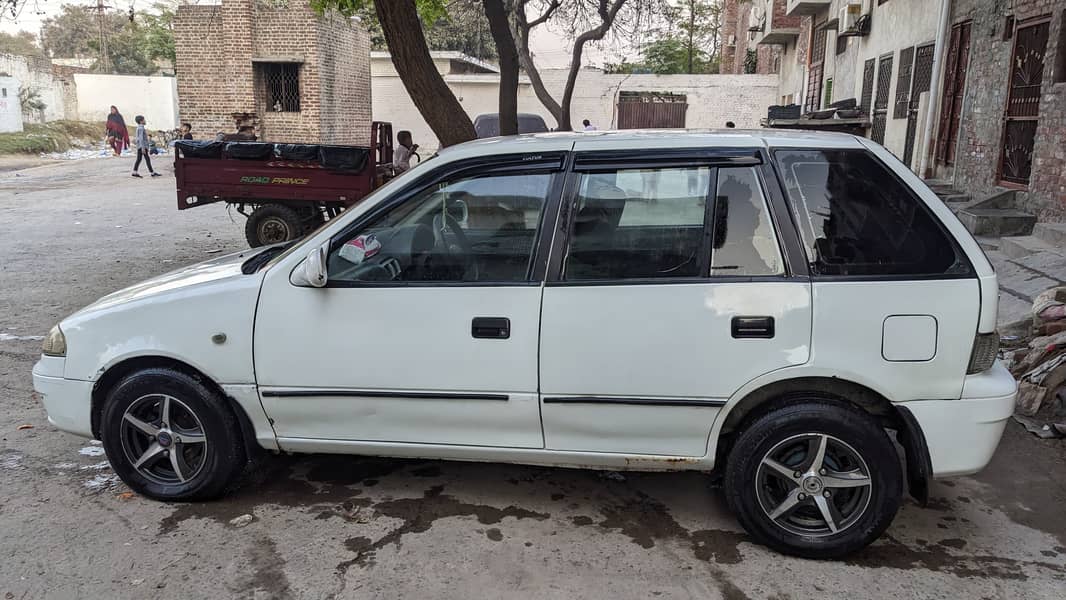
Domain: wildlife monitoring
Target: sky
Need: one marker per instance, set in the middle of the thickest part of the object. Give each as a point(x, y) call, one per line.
point(551, 49)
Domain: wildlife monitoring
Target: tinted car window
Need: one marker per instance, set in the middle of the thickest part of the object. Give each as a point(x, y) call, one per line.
point(857, 218)
point(638, 223)
point(744, 240)
point(473, 229)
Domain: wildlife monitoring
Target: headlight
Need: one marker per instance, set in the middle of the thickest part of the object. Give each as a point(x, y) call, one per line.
point(55, 343)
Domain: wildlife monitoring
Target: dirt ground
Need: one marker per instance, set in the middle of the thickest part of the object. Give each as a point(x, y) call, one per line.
point(343, 527)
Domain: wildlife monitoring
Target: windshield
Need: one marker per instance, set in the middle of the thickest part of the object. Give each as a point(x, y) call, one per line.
point(369, 199)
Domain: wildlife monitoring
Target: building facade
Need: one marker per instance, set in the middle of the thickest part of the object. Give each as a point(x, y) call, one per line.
point(1003, 115)
point(972, 92)
point(276, 69)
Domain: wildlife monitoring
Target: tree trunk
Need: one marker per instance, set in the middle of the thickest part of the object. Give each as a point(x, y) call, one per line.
point(410, 55)
point(607, 15)
point(525, 59)
point(500, 28)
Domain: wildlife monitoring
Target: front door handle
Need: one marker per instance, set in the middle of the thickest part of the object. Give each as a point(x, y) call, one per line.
point(492, 328)
point(753, 327)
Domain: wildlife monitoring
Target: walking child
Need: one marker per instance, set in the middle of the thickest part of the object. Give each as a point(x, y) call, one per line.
point(143, 146)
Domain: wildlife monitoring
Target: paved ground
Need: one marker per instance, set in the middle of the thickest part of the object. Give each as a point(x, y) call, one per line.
point(366, 528)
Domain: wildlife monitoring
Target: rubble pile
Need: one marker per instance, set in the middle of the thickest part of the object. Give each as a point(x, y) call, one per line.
point(1040, 367)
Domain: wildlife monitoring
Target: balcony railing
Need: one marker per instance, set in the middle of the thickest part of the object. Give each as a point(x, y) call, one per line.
point(770, 26)
point(799, 8)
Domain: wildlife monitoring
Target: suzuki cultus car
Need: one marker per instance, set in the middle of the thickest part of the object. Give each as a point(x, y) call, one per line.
point(779, 307)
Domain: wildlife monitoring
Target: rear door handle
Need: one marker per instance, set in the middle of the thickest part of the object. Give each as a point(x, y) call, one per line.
point(492, 328)
point(753, 327)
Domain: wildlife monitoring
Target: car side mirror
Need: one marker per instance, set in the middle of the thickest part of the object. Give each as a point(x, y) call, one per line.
point(312, 272)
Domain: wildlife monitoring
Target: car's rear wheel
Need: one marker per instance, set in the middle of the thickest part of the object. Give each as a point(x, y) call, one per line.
point(170, 437)
point(814, 478)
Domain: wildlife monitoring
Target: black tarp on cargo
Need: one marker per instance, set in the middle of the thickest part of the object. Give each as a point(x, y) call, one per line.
point(199, 148)
point(343, 158)
point(298, 151)
point(250, 150)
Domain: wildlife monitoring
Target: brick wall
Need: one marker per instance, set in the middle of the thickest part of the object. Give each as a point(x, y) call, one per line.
point(735, 22)
point(204, 83)
point(345, 81)
point(221, 53)
point(729, 32)
point(976, 168)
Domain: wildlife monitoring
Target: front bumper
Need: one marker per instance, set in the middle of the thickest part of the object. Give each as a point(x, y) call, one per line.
point(67, 401)
point(963, 434)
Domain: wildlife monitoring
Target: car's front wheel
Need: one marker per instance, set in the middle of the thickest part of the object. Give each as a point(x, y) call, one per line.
point(815, 478)
point(170, 437)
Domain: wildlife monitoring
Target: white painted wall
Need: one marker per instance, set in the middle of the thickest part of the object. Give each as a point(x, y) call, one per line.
point(36, 74)
point(895, 25)
point(154, 97)
point(10, 111)
point(712, 99)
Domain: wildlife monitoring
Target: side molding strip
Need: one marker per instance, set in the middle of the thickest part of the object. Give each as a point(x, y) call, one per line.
point(632, 401)
point(307, 393)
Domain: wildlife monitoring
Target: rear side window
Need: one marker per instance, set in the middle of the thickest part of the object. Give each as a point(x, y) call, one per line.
point(639, 224)
point(857, 218)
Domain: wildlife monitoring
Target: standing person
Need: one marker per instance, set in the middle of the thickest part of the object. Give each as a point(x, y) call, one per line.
point(118, 136)
point(401, 154)
point(186, 131)
point(143, 146)
point(588, 125)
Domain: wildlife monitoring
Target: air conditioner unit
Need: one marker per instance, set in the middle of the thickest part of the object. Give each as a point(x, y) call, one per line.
point(732, 41)
point(849, 17)
point(854, 18)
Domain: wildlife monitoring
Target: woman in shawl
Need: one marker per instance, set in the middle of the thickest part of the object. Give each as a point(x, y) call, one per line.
point(117, 134)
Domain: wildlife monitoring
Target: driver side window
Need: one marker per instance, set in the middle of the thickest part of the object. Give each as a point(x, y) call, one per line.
point(463, 230)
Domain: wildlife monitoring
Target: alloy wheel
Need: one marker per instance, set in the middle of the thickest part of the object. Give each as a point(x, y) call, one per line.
point(163, 439)
point(813, 484)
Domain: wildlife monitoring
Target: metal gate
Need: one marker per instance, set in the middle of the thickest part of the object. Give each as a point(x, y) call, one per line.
point(903, 83)
point(868, 85)
point(954, 86)
point(1023, 104)
point(884, 82)
point(815, 69)
point(923, 78)
point(651, 111)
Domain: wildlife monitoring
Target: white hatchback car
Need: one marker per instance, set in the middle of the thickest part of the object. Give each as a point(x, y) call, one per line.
point(769, 304)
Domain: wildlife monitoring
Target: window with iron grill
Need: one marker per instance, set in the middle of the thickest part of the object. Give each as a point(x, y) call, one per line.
point(868, 85)
point(280, 86)
point(903, 84)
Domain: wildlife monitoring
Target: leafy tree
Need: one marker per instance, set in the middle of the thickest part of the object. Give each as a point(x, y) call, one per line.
point(22, 43)
point(465, 29)
point(75, 31)
point(689, 43)
point(158, 28)
point(30, 101)
point(134, 41)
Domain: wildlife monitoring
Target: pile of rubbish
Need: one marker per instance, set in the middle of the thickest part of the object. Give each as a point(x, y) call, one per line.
point(1040, 367)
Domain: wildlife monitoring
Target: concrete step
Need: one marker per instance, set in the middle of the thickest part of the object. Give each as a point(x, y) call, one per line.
point(997, 221)
point(1051, 233)
point(1028, 245)
point(954, 197)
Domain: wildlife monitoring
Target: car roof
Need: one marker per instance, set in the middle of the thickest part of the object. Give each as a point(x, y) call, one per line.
point(648, 139)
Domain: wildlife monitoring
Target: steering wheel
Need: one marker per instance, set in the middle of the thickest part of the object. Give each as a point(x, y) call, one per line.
point(447, 223)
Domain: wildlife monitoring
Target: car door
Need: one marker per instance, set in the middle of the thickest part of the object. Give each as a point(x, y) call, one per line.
point(668, 291)
point(426, 331)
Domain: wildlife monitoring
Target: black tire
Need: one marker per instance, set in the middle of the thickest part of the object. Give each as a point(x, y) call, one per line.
point(209, 471)
point(793, 431)
point(272, 224)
